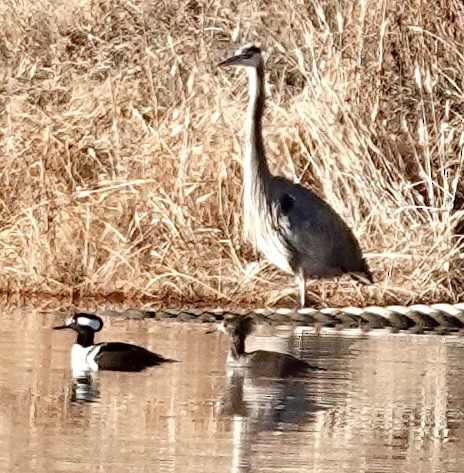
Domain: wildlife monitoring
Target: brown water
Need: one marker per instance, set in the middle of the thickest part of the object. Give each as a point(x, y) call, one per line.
point(387, 403)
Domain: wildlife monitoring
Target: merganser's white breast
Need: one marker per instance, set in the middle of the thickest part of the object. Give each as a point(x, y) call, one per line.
point(83, 360)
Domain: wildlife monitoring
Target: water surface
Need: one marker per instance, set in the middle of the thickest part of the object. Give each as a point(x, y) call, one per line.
point(387, 403)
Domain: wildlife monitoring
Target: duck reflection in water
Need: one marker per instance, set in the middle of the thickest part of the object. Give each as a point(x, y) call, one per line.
point(265, 390)
point(84, 389)
point(267, 387)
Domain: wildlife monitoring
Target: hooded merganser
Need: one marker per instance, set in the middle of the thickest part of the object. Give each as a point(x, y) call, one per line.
point(115, 356)
point(261, 363)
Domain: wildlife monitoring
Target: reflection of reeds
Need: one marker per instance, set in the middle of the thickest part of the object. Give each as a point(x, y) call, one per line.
point(392, 407)
point(120, 167)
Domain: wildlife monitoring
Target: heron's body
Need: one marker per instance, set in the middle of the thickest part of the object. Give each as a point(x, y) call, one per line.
point(295, 229)
point(312, 237)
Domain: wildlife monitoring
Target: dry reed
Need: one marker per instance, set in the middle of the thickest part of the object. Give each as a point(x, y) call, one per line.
point(120, 168)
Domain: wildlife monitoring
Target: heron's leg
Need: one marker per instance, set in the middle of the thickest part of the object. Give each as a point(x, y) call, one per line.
point(323, 290)
point(302, 286)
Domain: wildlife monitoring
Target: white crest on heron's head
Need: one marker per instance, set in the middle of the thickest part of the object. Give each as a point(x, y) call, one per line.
point(84, 321)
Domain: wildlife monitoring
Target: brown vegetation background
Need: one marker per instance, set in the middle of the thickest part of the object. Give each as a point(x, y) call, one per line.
point(120, 145)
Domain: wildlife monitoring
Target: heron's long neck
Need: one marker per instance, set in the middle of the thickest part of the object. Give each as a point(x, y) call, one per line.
point(256, 172)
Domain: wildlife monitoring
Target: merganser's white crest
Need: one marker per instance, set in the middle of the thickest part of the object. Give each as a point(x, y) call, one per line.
point(87, 322)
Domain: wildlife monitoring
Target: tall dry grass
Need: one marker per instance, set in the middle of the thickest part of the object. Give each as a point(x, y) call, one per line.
point(120, 167)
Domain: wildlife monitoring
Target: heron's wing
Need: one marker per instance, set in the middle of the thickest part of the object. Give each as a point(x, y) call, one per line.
point(313, 231)
point(305, 237)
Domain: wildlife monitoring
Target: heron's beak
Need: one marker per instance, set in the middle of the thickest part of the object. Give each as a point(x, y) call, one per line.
point(232, 61)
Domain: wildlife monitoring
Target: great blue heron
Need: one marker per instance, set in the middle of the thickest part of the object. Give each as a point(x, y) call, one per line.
point(297, 231)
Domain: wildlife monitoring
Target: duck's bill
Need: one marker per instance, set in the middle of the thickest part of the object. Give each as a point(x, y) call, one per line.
point(60, 327)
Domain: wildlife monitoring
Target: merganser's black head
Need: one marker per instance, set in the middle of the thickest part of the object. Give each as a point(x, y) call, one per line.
point(247, 56)
point(82, 321)
point(238, 327)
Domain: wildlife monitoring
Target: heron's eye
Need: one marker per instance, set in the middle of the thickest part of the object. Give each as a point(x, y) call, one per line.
point(250, 52)
point(287, 202)
point(253, 50)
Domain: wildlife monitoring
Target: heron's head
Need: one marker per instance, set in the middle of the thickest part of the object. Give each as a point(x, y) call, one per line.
point(247, 56)
point(82, 320)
